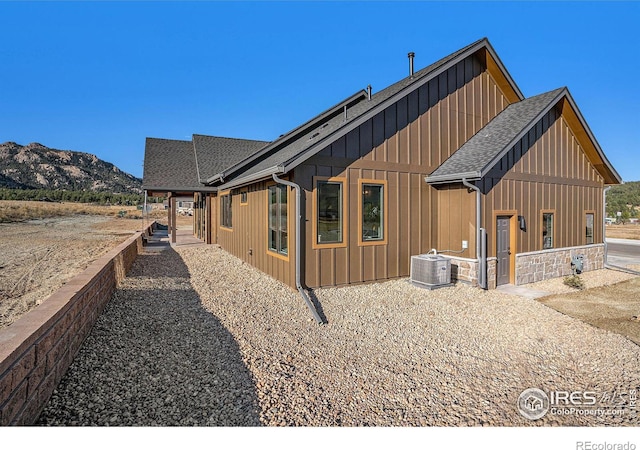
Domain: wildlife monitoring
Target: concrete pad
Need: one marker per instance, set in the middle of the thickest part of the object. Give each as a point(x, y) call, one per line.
point(522, 291)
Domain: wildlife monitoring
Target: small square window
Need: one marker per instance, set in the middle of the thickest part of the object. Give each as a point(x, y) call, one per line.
point(243, 197)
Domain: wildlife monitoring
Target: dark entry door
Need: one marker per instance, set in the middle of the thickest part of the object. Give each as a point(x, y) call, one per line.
point(503, 250)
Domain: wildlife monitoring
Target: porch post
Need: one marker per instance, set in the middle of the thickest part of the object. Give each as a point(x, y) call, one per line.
point(207, 219)
point(172, 211)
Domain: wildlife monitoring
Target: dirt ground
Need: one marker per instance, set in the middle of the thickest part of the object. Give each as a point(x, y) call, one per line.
point(38, 256)
point(615, 308)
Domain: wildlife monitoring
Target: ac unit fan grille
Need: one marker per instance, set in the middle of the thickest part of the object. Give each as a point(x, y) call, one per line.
point(431, 270)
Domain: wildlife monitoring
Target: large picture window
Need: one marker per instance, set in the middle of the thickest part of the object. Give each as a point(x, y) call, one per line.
point(372, 212)
point(329, 213)
point(589, 220)
point(225, 211)
point(278, 235)
point(547, 230)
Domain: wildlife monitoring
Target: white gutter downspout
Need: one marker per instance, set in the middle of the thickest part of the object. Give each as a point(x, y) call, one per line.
point(604, 221)
point(303, 293)
point(481, 258)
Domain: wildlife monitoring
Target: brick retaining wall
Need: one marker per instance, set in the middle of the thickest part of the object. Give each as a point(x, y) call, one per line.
point(37, 349)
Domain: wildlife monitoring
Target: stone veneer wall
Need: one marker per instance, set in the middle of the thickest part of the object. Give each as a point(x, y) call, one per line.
point(542, 265)
point(37, 349)
point(466, 270)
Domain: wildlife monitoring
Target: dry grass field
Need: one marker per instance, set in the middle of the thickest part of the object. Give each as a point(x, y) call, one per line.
point(43, 245)
point(19, 211)
point(628, 231)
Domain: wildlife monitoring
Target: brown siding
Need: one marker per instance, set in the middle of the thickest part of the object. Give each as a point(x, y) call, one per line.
point(401, 145)
point(456, 221)
point(248, 238)
point(546, 170)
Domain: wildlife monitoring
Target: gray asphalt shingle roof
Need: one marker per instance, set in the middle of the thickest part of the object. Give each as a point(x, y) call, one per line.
point(478, 155)
point(215, 154)
point(175, 165)
point(169, 165)
point(335, 125)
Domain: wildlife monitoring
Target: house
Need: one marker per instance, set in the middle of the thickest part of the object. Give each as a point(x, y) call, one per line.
point(452, 157)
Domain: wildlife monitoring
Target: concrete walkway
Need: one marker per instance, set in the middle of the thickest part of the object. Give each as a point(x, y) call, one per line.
point(160, 240)
point(522, 291)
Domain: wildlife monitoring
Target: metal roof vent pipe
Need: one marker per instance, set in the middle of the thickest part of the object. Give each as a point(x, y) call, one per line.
point(369, 92)
point(411, 55)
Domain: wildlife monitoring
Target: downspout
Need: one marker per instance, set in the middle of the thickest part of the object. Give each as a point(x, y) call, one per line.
point(604, 221)
point(480, 256)
point(301, 290)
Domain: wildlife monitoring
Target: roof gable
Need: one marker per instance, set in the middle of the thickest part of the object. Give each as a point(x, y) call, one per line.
point(476, 157)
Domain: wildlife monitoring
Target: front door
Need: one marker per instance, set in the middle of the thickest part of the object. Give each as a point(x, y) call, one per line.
point(503, 249)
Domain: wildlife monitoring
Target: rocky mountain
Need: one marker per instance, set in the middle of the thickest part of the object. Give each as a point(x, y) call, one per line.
point(35, 166)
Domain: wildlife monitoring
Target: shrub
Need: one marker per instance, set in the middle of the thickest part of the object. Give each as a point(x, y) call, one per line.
point(574, 281)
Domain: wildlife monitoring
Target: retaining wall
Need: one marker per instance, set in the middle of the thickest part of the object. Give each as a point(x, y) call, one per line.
point(553, 263)
point(37, 349)
point(531, 267)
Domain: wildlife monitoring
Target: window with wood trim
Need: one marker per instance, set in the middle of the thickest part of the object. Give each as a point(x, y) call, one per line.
point(225, 211)
point(547, 230)
point(278, 239)
point(244, 197)
point(329, 212)
point(589, 227)
point(372, 212)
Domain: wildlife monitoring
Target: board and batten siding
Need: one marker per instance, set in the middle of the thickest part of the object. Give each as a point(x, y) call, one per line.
point(546, 170)
point(247, 239)
point(401, 145)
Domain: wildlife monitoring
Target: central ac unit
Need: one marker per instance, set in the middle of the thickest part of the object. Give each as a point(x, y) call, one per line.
point(431, 271)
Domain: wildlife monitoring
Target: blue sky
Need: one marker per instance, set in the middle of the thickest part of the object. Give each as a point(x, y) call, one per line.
point(100, 77)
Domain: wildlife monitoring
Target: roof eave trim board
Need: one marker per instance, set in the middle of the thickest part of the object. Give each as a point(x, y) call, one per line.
point(179, 189)
point(265, 173)
point(504, 70)
point(213, 179)
point(456, 178)
point(349, 126)
point(593, 139)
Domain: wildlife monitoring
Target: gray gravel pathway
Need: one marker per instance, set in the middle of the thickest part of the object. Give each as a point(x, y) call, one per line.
point(156, 357)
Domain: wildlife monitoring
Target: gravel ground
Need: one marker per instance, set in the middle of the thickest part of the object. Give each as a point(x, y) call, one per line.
point(198, 337)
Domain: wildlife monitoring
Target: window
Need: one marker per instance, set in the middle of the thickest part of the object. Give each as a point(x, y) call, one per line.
point(225, 211)
point(371, 212)
point(547, 230)
point(589, 218)
point(329, 219)
point(278, 237)
point(243, 198)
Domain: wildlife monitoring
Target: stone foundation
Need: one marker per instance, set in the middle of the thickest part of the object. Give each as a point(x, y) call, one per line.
point(531, 267)
point(554, 263)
